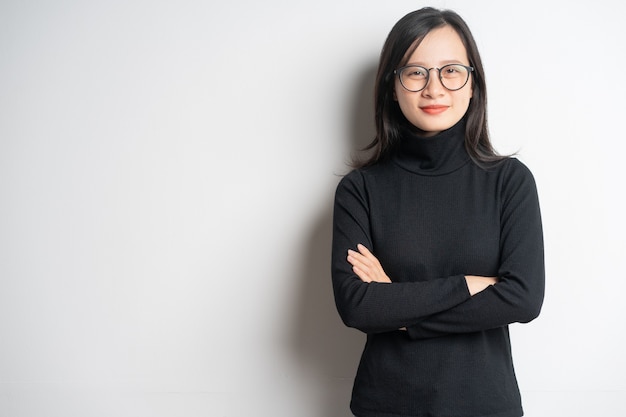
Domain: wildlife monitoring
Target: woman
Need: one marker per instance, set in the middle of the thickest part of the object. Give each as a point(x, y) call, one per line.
point(437, 240)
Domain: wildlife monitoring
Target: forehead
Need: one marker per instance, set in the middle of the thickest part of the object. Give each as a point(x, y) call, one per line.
point(439, 46)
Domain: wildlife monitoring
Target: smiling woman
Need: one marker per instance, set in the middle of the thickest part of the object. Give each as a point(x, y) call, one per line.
point(434, 106)
point(437, 241)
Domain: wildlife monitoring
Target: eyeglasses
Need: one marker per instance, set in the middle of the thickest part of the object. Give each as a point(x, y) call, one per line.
point(415, 78)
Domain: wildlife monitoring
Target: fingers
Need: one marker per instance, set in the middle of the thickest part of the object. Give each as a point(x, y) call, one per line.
point(358, 259)
point(362, 275)
point(364, 257)
point(360, 265)
point(476, 284)
point(366, 266)
point(368, 255)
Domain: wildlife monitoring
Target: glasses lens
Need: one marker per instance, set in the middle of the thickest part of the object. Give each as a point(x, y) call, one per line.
point(454, 76)
point(414, 78)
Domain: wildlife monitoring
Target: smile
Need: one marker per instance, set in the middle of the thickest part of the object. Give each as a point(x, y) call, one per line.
point(434, 109)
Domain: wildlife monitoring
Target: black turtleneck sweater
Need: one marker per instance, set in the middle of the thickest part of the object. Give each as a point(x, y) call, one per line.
point(431, 216)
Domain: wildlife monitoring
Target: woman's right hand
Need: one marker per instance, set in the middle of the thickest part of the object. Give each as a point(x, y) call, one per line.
point(476, 284)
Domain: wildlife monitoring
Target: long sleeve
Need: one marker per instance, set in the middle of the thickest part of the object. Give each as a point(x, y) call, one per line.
point(378, 307)
point(431, 215)
point(518, 295)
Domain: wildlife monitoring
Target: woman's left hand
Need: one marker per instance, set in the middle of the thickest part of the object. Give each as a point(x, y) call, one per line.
point(366, 266)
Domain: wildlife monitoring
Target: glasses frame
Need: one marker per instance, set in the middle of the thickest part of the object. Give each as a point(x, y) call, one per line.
point(399, 71)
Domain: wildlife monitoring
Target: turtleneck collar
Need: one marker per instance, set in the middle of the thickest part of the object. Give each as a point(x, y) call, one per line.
point(436, 155)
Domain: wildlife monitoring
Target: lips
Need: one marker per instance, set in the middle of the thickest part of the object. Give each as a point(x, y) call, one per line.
point(434, 109)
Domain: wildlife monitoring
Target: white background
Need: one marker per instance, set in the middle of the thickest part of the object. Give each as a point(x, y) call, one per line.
point(166, 180)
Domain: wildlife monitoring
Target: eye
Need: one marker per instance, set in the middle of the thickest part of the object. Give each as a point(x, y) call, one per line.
point(453, 71)
point(415, 72)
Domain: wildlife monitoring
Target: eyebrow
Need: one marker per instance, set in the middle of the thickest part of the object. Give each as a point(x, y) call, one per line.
point(442, 63)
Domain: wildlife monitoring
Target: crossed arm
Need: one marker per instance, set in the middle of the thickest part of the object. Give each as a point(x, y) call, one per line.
point(368, 300)
point(368, 268)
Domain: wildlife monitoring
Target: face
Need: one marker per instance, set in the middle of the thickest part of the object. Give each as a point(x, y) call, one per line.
point(435, 108)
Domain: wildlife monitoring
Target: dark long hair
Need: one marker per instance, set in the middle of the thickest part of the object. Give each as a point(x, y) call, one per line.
point(404, 38)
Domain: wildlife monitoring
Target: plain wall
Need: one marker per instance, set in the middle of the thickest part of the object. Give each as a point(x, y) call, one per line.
point(167, 172)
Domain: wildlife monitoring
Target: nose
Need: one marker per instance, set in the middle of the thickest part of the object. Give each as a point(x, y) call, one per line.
point(433, 88)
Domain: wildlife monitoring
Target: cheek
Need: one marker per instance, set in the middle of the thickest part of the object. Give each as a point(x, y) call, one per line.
point(465, 98)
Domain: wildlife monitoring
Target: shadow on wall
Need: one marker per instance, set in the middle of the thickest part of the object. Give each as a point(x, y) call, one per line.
point(326, 350)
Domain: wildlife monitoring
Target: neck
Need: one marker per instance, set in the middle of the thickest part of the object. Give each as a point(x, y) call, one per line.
point(438, 154)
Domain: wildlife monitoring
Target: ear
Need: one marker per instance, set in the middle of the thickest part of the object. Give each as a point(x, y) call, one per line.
point(395, 96)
